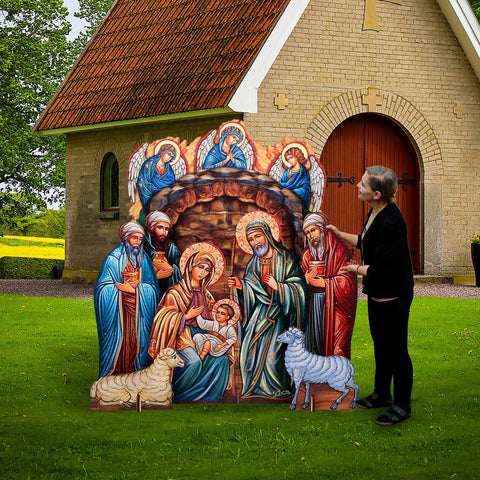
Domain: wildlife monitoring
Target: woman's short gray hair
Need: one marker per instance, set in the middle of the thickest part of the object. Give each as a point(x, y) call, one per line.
point(383, 180)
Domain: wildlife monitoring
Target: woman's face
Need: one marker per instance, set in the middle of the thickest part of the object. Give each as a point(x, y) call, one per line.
point(292, 160)
point(201, 271)
point(365, 192)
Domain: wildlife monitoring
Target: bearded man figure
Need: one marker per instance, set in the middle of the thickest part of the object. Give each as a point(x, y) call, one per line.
point(126, 296)
point(333, 291)
point(272, 298)
point(165, 255)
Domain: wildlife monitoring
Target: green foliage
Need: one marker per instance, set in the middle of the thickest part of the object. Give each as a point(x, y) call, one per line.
point(34, 58)
point(50, 359)
point(476, 7)
point(25, 214)
point(92, 12)
point(33, 268)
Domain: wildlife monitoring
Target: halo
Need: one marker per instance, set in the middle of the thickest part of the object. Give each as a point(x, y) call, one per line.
point(236, 308)
point(298, 145)
point(241, 236)
point(238, 126)
point(214, 252)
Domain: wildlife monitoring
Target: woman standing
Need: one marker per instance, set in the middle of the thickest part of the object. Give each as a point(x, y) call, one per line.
point(388, 281)
point(175, 324)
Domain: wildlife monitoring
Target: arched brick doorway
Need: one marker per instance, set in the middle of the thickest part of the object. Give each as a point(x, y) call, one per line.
point(357, 143)
point(206, 207)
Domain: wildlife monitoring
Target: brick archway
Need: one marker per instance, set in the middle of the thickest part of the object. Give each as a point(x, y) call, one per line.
point(206, 207)
point(397, 108)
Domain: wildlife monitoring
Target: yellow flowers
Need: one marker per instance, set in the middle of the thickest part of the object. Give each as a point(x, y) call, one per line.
point(476, 239)
point(34, 251)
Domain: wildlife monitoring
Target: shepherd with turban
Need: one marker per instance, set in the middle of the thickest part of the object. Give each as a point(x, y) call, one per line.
point(126, 296)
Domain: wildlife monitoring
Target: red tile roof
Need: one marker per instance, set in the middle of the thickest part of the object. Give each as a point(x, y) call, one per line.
point(156, 57)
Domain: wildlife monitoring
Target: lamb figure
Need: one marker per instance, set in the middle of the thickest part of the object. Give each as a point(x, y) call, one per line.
point(150, 386)
point(303, 366)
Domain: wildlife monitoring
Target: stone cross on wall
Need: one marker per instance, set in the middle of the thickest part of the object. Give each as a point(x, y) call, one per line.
point(281, 101)
point(372, 99)
point(370, 19)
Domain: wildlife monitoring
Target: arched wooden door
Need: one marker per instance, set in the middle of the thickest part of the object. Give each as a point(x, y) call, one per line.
point(360, 142)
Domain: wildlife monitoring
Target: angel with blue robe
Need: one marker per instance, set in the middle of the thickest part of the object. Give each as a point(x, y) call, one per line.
point(297, 178)
point(226, 153)
point(155, 174)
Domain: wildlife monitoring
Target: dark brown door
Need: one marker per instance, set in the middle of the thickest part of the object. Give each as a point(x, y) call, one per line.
point(358, 143)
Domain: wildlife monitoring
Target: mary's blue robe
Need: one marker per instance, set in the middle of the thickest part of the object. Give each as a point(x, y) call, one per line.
point(299, 183)
point(108, 310)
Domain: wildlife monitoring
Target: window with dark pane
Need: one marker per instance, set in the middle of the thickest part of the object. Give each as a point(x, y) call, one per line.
point(109, 183)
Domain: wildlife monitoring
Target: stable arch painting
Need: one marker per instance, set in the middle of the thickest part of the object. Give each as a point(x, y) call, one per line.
point(213, 267)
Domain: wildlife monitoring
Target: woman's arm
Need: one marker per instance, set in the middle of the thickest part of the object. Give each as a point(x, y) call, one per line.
point(349, 238)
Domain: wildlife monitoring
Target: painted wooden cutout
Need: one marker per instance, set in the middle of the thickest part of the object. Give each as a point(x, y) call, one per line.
point(224, 321)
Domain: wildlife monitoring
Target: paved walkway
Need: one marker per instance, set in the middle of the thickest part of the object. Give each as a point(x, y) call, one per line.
point(59, 288)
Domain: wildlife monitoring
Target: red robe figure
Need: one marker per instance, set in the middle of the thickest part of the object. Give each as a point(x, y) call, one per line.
point(332, 290)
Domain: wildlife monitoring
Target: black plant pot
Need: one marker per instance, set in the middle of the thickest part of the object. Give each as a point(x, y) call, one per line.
point(476, 262)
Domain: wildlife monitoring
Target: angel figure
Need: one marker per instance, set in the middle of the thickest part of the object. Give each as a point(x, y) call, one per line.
point(297, 170)
point(227, 147)
point(153, 167)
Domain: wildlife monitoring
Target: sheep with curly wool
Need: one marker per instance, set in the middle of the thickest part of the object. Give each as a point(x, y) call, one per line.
point(303, 366)
point(151, 386)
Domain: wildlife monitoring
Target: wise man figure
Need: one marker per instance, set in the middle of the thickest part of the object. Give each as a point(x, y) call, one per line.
point(273, 298)
point(332, 291)
point(165, 255)
point(126, 296)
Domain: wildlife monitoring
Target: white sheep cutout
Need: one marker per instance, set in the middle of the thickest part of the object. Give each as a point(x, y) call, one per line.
point(150, 386)
point(303, 366)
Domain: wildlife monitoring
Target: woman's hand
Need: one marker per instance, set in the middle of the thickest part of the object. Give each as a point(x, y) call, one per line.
point(193, 312)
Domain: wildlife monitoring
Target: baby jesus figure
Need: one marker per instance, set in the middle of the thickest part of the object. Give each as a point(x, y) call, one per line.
point(221, 333)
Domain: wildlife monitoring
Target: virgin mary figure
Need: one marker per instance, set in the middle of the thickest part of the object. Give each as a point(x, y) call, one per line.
point(175, 323)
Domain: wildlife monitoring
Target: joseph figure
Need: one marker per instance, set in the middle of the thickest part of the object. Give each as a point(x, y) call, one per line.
point(273, 298)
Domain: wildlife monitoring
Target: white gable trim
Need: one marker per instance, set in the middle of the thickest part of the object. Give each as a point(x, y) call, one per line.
point(245, 97)
point(458, 13)
point(465, 25)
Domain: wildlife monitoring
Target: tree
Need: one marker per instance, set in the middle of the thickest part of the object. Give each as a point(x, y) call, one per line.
point(34, 58)
point(476, 7)
point(92, 12)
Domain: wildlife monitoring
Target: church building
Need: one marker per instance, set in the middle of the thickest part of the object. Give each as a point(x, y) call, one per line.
point(363, 82)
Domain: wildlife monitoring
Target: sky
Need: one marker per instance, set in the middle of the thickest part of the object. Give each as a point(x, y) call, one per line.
point(77, 24)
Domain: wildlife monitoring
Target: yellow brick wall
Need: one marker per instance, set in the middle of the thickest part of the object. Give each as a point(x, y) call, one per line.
point(415, 62)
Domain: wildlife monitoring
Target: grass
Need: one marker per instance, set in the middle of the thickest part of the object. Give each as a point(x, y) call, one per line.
point(32, 247)
point(50, 359)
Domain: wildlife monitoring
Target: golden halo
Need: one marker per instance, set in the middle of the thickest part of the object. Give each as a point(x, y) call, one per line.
point(241, 236)
point(213, 252)
point(236, 308)
point(238, 126)
point(298, 145)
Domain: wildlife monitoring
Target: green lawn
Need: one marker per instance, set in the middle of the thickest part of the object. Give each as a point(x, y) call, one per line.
point(49, 361)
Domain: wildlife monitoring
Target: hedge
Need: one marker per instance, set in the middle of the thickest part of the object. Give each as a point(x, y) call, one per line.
point(32, 268)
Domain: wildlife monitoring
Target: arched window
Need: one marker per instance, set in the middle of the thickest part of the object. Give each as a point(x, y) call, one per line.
point(109, 183)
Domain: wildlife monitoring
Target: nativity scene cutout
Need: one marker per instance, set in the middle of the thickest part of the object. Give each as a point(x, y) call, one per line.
point(226, 285)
